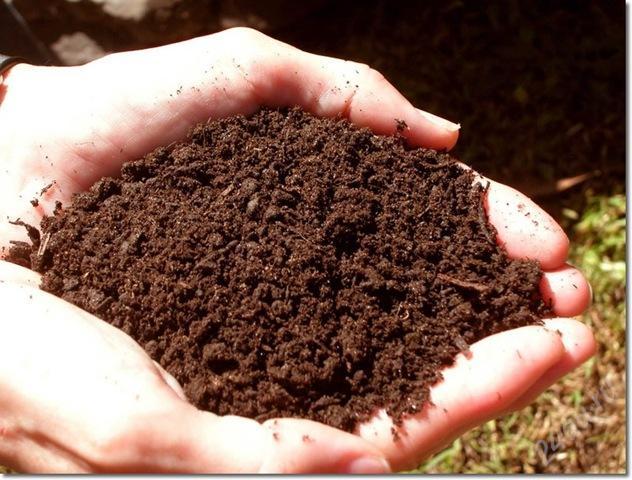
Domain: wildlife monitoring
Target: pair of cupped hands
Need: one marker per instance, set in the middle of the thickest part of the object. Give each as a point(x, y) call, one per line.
point(78, 395)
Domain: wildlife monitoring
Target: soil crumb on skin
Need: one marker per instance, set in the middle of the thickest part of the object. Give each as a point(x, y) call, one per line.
point(285, 265)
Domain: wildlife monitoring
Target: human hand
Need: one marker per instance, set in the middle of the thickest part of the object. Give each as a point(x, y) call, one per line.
point(75, 125)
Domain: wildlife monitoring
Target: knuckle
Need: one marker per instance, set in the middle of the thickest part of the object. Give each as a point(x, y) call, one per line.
point(249, 44)
point(367, 73)
point(375, 76)
point(245, 34)
point(362, 68)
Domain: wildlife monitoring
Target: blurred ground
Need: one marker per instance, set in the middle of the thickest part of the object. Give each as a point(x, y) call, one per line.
point(539, 88)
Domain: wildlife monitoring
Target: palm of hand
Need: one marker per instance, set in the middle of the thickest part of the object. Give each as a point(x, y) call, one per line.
point(124, 412)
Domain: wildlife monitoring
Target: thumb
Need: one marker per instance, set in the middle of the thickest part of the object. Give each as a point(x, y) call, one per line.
point(304, 446)
point(201, 442)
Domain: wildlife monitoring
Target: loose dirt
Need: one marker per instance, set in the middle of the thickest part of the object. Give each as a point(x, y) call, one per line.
point(286, 265)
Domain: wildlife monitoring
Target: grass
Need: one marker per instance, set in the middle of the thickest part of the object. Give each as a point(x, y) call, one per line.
point(578, 425)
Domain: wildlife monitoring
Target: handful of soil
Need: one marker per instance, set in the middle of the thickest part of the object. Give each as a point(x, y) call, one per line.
point(286, 265)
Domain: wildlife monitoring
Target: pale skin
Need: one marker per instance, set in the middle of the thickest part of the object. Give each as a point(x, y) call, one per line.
point(81, 396)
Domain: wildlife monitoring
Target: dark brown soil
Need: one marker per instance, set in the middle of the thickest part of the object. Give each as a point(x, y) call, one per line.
point(284, 265)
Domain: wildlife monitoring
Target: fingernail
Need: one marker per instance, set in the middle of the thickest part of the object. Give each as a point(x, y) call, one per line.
point(369, 465)
point(440, 122)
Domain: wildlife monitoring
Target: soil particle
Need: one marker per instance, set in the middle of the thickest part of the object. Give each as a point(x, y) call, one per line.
point(401, 125)
point(284, 265)
point(33, 232)
point(47, 188)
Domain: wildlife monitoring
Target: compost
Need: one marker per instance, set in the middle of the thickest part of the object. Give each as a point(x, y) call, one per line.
point(280, 264)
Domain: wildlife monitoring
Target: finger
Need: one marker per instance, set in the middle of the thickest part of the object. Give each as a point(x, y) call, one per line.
point(332, 87)
point(567, 290)
point(199, 442)
point(10, 272)
point(500, 369)
point(523, 228)
point(579, 345)
point(361, 94)
point(159, 105)
point(303, 446)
